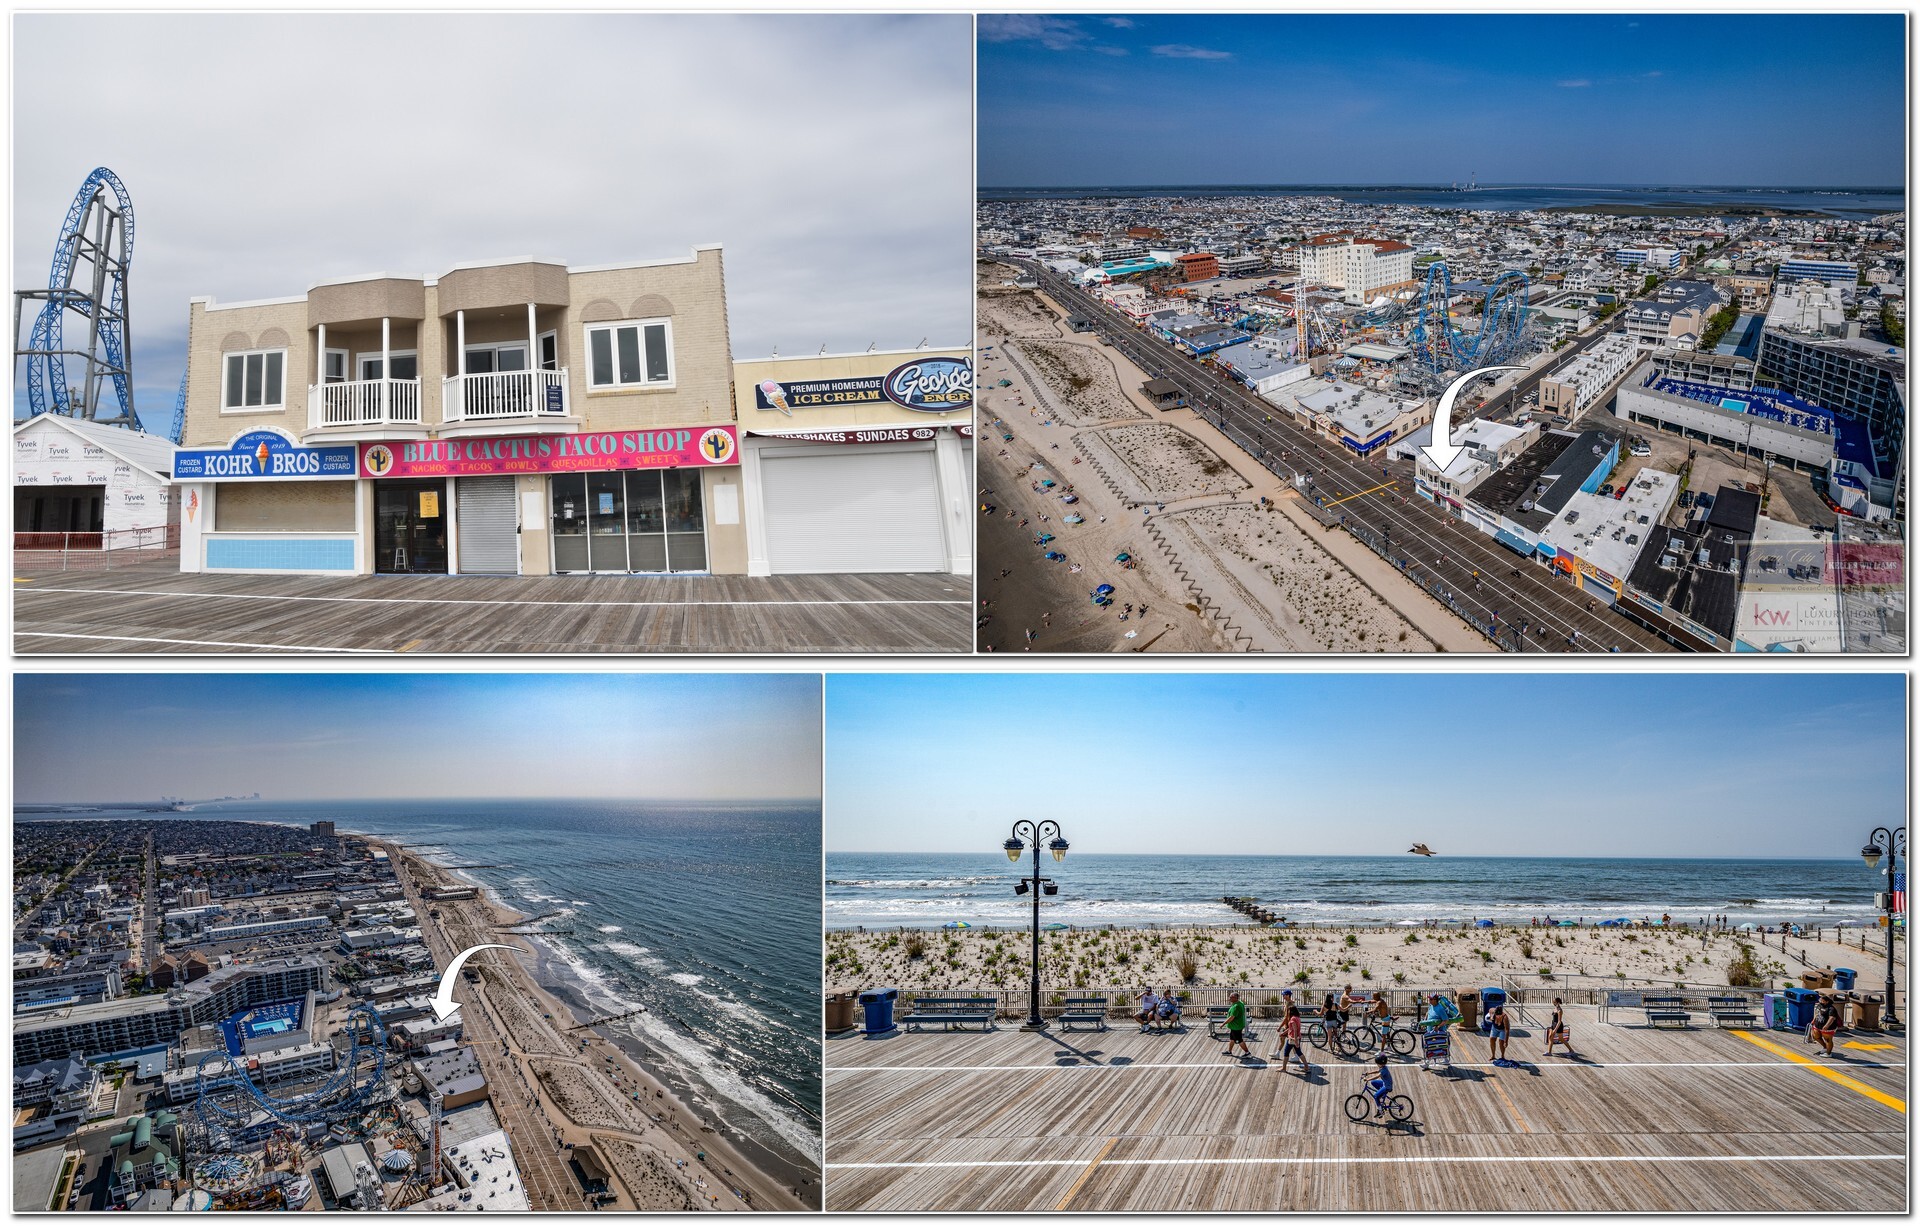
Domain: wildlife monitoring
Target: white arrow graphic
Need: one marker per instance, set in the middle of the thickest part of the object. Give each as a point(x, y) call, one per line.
point(444, 1005)
point(1442, 450)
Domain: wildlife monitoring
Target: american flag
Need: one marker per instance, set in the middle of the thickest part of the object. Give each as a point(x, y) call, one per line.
point(1899, 893)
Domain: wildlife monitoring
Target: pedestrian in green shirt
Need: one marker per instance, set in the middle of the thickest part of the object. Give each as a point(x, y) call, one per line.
point(1237, 1027)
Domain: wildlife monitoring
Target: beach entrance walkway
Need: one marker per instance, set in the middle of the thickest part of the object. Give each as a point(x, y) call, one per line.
point(1642, 1120)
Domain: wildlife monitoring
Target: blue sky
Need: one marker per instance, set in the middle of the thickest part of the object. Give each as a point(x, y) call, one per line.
point(305, 736)
point(1332, 764)
point(1733, 98)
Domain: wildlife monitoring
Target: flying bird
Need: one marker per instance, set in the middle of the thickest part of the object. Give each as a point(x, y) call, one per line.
point(1419, 849)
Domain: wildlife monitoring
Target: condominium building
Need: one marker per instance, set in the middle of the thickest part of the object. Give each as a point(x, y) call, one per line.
point(1674, 317)
point(583, 420)
point(1574, 387)
point(1364, 268)
point(1819, 268)
point(1653, 259)
point(132, 1022)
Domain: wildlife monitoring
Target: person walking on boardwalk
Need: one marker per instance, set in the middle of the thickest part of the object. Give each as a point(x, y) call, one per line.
point(1826, 1024)
point(1237, 1027)
point(1557, 1029)
point(1498, 1028)
point(1290, 1041)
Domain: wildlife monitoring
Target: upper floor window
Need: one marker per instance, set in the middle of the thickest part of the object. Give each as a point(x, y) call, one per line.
point(255, 380)
point(636, 354)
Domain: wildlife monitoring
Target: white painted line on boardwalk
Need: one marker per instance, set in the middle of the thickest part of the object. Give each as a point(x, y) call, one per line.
point(1474, 1159)
point(128, 638)
point(1274, 1068)
point(559, 604)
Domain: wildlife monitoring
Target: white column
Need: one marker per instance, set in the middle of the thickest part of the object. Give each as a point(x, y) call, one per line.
point(386, 363)
point(313, 419)
point(460, 362)
point(533, 341)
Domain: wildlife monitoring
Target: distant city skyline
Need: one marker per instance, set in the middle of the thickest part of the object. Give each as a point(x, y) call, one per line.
point(1546, 765)
point(1760, 100)
point(85, 738)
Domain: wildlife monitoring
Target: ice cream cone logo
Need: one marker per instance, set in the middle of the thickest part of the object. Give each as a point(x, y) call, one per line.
point(775, 395)
point(261, 454)
point(193, 504)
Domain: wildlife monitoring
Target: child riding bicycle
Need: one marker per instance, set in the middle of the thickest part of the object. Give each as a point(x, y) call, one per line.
point(1380, 1084)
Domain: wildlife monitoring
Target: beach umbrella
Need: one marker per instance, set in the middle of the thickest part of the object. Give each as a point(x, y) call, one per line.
point(1056, 927)
point(1105, 589)
point(956, 924)
point(1565, 924)
point(1748, 927)
point(1484, 924)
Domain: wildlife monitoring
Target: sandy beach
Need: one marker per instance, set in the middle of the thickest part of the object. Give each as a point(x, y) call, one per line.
point(588, 1089)
point(1223, 557)
point(1574, 962)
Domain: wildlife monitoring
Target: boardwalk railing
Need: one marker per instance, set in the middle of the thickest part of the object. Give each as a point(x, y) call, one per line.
point(43, 551)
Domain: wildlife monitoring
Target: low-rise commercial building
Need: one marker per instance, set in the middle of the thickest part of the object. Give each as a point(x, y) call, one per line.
point(1359, 418)
point(1576, 386)
point(858, 462)
point(520, 417)
point(1486, 447)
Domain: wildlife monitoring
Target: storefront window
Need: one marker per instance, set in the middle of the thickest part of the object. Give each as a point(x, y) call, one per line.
point(640, 521)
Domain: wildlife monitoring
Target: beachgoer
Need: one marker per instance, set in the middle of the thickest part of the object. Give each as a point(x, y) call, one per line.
point(1169, 1009)
point(1380, 1084)
point(1826, 1024)
point(1557, 1029)
point(1149, 1008)
point(1498, 1028)
point(1290, 1040)
point(1237, 1027)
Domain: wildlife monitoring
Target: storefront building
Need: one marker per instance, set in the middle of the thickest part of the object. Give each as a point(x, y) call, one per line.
point(858, 463)
point(81, 485)
point(583, 422)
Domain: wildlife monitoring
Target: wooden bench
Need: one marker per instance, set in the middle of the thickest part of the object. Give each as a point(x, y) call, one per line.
point(1732, 1011)
point(1666, 1011)
point(951, 1011)
point(1217, 1023)
point(1090, 1010)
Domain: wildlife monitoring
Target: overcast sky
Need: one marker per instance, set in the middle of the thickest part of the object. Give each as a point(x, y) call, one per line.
point(306, 736)
point(831, 155)
point(1343, 764)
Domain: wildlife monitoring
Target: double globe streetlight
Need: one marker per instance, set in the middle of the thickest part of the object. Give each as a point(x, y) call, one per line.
point(1037, 885)
point(1890, 843)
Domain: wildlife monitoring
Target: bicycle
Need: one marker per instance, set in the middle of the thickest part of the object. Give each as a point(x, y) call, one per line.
point(1381, 1033)
point(1361, 1107)
point(1340, 1039)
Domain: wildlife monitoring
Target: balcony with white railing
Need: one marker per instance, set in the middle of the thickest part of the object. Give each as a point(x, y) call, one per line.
point(507, 398)
point(363, 404)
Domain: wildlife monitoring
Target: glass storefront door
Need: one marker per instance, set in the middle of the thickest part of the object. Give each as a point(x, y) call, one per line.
point(643, 521)
point(410, 527)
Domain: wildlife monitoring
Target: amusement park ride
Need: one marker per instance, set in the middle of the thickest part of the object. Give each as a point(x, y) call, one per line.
point(87, 282)
point(1440, 349)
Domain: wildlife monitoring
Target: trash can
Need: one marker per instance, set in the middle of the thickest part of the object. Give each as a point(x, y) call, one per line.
point(877, 1004)
point(1866, 1013)
point(1800, 1003)
point(1469, 1006)
point(840, 1012)
point(1843, 978)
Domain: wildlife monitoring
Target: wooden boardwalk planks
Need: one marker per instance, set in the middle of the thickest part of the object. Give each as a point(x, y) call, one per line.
point(1653, 1121)
point(148, 609)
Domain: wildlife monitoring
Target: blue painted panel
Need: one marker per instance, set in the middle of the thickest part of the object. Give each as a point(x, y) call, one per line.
point(323, 554)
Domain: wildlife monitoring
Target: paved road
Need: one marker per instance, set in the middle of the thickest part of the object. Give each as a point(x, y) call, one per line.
point(1507, 591)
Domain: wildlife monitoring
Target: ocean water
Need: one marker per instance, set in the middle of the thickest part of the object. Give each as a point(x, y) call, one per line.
point(1507, 197)
point(925, 891)
point(707, 915)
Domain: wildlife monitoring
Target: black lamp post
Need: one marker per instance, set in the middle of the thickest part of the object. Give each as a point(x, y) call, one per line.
point(1037, 885)
point(1890, 843)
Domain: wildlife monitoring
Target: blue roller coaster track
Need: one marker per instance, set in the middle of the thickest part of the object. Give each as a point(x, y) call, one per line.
point(1439, 347)
point(103, 236)
point(229, 1099)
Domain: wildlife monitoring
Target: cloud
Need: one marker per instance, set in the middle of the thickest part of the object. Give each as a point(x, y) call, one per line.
point(1655, 73)
point(1575, 83)
point(1053, 33)
point(1106, 50)
point(1120, 23)
point(1181, 51)
point(818, 150)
